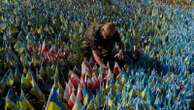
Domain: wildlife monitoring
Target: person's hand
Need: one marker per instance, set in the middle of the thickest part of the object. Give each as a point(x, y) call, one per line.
point(119, 55)
point(104, 66)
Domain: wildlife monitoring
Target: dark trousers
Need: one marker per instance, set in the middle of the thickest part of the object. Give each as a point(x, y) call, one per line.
point(109, 58)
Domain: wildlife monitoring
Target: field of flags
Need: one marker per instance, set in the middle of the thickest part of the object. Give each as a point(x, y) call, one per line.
point(41, 66)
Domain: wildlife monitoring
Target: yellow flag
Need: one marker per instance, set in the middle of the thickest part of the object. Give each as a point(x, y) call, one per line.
point(90, 105)
point(110, 102)
point(9, 104)
point(23, 103)
point(53, 106)
point(85, 100)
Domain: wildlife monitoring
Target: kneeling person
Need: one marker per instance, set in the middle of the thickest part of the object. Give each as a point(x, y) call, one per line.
point(99, 42)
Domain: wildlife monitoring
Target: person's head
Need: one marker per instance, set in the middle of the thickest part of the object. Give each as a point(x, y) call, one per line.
point(108, 30)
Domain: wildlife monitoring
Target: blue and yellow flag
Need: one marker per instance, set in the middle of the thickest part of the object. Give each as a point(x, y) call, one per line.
point(55, 98)
point(131, 93)
point(57, 83)
point(35, 90)
point(23, 103)
point(110, 101)
point(17, 75)
point(78, 105)
point(85, 99)
point(150, 97)
point(90, 105)
point(85, 95)
point(30, 38)
point(9, 104)
point(26, 81)
point(55, 101)
point(8, 79)
point(144, 93)
point(4, 80)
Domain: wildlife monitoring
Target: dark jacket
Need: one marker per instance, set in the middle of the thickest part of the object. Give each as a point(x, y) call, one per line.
point(93, 41)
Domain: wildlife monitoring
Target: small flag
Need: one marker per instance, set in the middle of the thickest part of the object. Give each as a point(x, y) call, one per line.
point(90, 105)
point(116, 69)
point(109, 75)
point(74, 79)
point(9, 104)
point(23, 103)
point(55, 101)
point(84, 69)
point(79, 93)
point(85, 95)
point(71, 100)
point(78, 105)
point(35, 90)
point(67, 92)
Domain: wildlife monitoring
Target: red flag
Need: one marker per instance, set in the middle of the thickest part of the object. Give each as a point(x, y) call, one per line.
point(95, 81)
point(67, 92)
point(71, 100)
point(116, 69)
point(79, 93)
point(70, 85)
point(74, 79)
point(89, 84)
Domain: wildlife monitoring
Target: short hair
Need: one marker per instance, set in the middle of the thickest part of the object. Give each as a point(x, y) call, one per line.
point(110, 26)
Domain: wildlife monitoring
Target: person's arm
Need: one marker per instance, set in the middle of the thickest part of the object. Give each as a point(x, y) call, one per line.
point(120, 54)
point(98, 59)
point(118, 41)
point(93, 42)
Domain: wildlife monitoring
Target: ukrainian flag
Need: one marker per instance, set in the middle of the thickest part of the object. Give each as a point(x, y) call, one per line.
point(77, 105)
point(4, 25)
point(110, 102)
point(143, 94)
point(26, 81)
point(90, 106)
point(35, 90)
point(97, 100)
point(9, 104)
point(85, 99)
point(57, 83)
point(23, 103)
point(8, 78)
point(30, 38)
point(17, 75)
point(4, 80)
point(131, 93)
point(55, 99)
point(20, 47)
point(85, 96)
